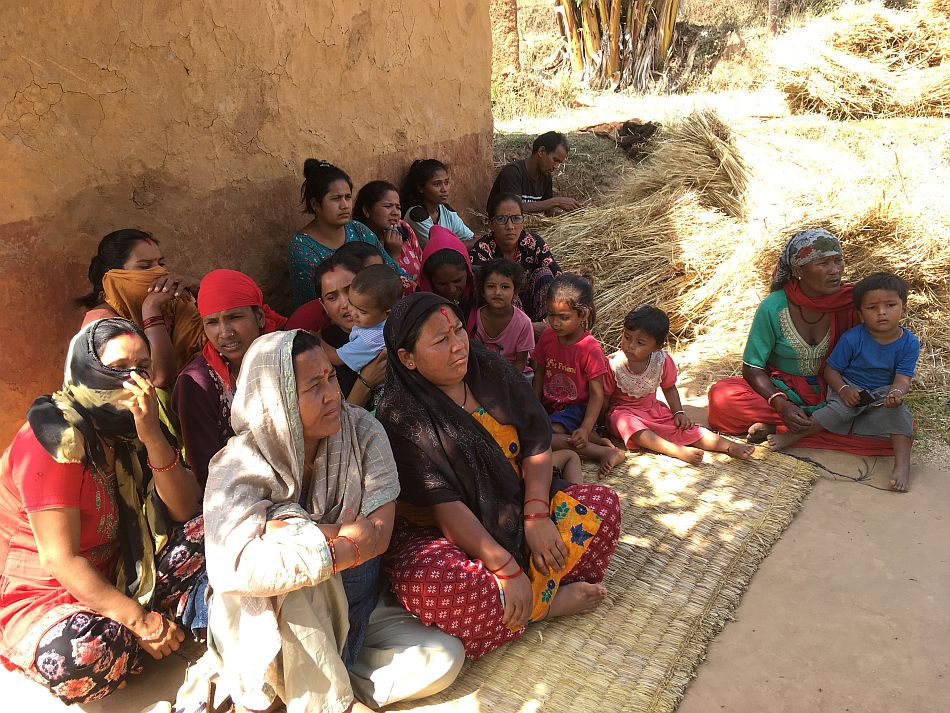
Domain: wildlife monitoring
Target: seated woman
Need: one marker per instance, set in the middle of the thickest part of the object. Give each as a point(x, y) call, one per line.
point(425, 195)
point(233, 313)
point(327, 194)
point(509, 239)
point(129, 280)
point(298, 500)
point(447, 272)
point(489, 529)
point(100, 533)
point(793, 332)
point(333, 279)
point(377, 206)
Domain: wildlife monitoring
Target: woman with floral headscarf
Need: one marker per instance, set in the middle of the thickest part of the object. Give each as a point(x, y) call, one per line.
point(101, 539)
point(793, 331)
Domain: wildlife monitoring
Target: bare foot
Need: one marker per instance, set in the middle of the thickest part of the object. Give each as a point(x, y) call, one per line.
point(758, 432)
point(610, 461)
point(577, 598)
point(900, 478)
point(693, 456)
point(781, 441)
point(742, 451)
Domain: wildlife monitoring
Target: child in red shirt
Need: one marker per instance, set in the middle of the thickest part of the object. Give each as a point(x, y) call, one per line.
point(569, 379)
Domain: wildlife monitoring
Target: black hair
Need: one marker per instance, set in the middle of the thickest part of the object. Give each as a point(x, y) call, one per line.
point(362, 251)
point(441, 258)
point(350, 263)
point(880, 281)
point(107, 330)
point(317, 177)
point(304, 341)
point(549, 141)
point(501, 266)
point(649, 319)
point(381, 284)
point(420, 172)
point(369, 195)
point(577, 290)
point(114, 249)
point(498, 198)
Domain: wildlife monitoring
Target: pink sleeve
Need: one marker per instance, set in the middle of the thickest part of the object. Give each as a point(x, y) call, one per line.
point(99, 313)
point(668, 377)
point(610, 380)
point(44, 483)
point(525, 339)
point(593, 361)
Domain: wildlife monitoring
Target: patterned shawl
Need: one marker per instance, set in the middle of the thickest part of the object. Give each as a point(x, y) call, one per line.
point(69, 424)
point(442, 453)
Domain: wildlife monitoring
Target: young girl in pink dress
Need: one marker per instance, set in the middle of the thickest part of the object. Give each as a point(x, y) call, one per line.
point(635, 414)
point(500, 325)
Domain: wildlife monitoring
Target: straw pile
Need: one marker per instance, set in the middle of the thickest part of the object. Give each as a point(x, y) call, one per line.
point(868, 61)
point(698, 154)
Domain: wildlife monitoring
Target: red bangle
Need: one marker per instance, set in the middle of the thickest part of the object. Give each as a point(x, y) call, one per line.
point(355, 547)
point(510, 576)
point(167, 467)
point(332, 555)
point(498, 569)
point(150, 322)
point(156, 633)
point(537, 516)
point(547, 505)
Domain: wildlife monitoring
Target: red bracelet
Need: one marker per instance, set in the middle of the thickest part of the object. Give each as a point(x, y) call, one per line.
point(537, 516)
point(332, 555)
point(498, 569)
point(547, 505)
point(167, 467)
point(156, 633)
point(511, 576)
point(150, 322)
point(355, 547)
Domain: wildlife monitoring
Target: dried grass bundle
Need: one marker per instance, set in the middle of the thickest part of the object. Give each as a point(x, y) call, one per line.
point(697, 153)
point(894, 38)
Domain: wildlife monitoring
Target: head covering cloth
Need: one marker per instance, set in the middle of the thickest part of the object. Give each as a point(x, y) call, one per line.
point(230, 289)
point(442, 453)
point(441, 238)
point(126, 290)
point(70, 425)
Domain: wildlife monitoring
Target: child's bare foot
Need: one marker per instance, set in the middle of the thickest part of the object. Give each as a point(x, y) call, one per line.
point(610, 461)
point(781, 441)
point(577, 598)
point(693, 456)
point(742, 451)
point(900, 478)
point(758, 432)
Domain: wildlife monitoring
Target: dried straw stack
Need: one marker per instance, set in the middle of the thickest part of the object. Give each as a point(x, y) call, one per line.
point(869, 62)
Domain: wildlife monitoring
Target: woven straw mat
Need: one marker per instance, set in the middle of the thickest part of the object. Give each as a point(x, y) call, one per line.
point(692, 537)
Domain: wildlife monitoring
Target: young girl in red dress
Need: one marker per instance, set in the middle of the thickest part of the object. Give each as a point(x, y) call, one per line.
point(634, 413)
point(571, 366)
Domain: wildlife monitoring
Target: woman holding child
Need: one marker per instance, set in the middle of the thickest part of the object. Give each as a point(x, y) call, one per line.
point(793, 332)
point(486, 529)
point(299, 506)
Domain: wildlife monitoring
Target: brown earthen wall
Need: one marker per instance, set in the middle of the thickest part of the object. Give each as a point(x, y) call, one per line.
point(192, 121)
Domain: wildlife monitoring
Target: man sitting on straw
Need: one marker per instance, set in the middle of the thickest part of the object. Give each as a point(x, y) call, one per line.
point(530, 178)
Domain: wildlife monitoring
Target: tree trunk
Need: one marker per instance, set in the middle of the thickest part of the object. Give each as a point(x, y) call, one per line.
point(773, 17)
point(573, 37)
point(506, 45)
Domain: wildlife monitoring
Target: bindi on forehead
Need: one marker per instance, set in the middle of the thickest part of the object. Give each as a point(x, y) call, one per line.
point(445, 313)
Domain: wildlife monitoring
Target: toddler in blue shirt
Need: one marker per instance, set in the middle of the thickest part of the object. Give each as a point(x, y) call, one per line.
point(868, 374)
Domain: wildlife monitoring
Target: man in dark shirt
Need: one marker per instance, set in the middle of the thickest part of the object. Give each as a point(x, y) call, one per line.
point(530, 178)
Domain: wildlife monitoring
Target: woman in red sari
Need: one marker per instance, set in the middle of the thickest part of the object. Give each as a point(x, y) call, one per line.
point(792, 333)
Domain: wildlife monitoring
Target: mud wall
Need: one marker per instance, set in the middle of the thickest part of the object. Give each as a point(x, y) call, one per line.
point(192, 121)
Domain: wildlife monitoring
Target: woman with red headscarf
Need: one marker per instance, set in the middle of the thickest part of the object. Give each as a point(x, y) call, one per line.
point(233, 314)
point(447, 272)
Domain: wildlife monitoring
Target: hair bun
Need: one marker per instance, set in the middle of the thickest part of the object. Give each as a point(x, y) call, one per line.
point(97, 269)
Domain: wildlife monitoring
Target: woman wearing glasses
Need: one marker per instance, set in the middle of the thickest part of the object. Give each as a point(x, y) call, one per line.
point(508, 239)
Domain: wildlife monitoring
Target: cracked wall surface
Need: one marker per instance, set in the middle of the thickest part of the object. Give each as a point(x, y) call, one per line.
point(192, 120)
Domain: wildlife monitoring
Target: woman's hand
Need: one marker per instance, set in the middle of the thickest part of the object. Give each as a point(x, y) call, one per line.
point(548, 551)
point(143, 405)
point(850, 395)
point(363, 532)
point(518, 601)
point(796, 419)
point(154, 302)
point(682, 421)
point(169, 640)
point(392, 241)
point(374, 373)
point(175, 286)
